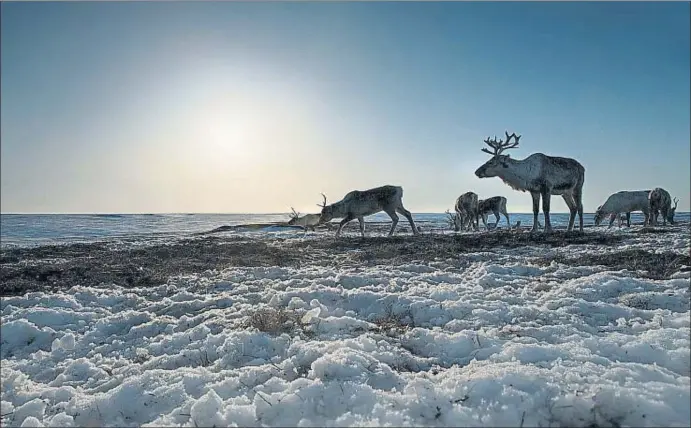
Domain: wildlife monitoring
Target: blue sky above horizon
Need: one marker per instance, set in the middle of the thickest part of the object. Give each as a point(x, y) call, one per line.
point(257, 107)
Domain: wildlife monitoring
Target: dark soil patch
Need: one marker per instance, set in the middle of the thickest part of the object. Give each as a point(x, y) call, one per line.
point(646, 263)
point(435, 246)
point(100, 265)
point(24, 270)
point(647, 230)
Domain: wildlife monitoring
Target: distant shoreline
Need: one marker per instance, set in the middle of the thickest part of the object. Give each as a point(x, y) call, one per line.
point(260, 214)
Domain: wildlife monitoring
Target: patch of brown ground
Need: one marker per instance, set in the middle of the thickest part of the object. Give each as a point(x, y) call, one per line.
point(645, 263)
point(100, 264)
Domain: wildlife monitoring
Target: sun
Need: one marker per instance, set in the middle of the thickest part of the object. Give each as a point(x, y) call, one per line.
point(228, 133)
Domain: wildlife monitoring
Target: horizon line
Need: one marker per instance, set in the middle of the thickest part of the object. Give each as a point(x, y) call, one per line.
point(245, 213)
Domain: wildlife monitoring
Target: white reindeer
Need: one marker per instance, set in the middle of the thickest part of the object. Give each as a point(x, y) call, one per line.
point(495, 205)
point(624, 202)
point(660, 202)
point(361, 203)
point(466, 211)
point(539, 174)
point(308, 221)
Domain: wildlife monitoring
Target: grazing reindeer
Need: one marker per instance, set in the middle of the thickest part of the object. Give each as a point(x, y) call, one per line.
point(466, 211)
point(495, 205)
point(660, 202)
point(539, 174)
point(361, 203)
point(624, 202)
point(308, 221)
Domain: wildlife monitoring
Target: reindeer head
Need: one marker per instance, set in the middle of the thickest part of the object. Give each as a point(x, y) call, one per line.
point(670, 213)
point(494, 166)
point(294, 216)
point(599, 215)
point(327, 211)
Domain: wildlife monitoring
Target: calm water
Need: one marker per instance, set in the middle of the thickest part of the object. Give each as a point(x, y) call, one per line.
point(37, 229)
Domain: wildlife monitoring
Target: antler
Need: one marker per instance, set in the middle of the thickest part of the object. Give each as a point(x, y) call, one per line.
point(295, 214)
point(499, 146)
point(451, 220)
point(324, 204)
point(676, 201)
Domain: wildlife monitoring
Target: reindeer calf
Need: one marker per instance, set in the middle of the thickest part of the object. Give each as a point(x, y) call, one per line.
point(467, 211)
point(495, 205)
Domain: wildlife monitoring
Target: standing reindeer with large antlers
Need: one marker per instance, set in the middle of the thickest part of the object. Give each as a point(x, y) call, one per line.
point(539, 174)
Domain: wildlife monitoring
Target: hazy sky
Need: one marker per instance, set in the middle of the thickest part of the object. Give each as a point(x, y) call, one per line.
point(256, 107)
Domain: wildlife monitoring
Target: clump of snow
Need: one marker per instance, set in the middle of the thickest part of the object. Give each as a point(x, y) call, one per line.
point(498, 340)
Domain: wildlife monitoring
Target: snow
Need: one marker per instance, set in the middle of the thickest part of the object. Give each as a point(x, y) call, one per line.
point(497, 340)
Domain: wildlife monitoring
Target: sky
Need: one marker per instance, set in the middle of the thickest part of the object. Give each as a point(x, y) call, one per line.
point(229, 107)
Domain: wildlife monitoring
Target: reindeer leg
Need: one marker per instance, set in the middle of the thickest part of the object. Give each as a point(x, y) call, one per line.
point(394, 221)
point(612, 217)
point(536, 208)
point(628, 219)
point(342, 223)
point(484, 221)
point(496, 215)
point(362, 226)
point(578, 199)
point(408, 216)
point(545, 209)
point(571, 203)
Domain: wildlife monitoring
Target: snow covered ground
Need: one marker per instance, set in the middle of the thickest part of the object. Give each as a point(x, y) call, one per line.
point(499, 337)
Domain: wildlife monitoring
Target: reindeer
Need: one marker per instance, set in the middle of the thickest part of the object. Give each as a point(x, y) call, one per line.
point(361, 203)
point(466, 210)
point(495, 205)
point(660, 202)
point(308, 221)
point(539, 174)
point(624, 202)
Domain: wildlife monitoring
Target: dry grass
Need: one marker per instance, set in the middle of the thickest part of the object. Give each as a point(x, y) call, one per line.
point(274, 321)
point(645, 263)
point(99, 265)
point(55, 267)
point(401, 249)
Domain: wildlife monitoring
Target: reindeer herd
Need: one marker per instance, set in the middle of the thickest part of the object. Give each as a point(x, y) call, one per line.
point(540, 175)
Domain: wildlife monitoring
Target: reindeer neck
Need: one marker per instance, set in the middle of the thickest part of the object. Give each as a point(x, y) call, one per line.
point(339, 208)
point(518, 174)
